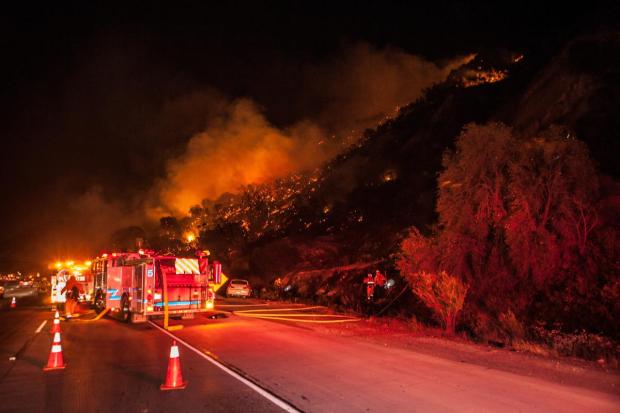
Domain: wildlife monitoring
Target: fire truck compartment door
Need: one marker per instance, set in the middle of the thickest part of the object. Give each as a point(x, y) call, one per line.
point(127, 277)
point(114, 291)
point(137, 302)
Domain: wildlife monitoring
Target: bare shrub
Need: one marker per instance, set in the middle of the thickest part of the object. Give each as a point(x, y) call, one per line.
point(512, 327)
point(579, 344)
point(442, 293)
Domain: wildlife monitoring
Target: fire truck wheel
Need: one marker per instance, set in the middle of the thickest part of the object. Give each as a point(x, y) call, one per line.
point(125, 313)
point(99, 302)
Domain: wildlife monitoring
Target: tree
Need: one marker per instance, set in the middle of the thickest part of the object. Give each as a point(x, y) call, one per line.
point(516, 214)
point(418, 262)
point(443, 293)
point(417, 253)
point(473, 203)
point(553, 192)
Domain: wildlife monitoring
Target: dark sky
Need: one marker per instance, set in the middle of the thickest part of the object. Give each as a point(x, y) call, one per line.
point(87, 87)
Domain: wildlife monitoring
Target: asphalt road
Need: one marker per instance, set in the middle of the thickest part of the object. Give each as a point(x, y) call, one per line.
point(114, 367)
point(324, 373)
point(111, 367)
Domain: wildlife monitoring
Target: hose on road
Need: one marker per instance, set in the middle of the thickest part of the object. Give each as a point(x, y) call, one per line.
point(393, 301)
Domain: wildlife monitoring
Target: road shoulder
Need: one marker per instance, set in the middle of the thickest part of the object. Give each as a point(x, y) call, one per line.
point(560, 370)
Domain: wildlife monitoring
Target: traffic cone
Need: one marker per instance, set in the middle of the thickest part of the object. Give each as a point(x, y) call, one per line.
point(55, 361)
point(56, 326)
point(57, 315)
point(13, 303)
point(174, 378)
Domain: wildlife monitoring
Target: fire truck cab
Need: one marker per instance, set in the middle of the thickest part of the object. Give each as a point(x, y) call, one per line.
point(135, 286)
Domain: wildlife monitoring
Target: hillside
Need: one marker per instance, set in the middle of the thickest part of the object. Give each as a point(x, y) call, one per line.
point(363, 199)
point(323, 230)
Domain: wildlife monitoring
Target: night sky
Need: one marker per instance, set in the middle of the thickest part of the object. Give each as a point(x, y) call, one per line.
point(98, 98)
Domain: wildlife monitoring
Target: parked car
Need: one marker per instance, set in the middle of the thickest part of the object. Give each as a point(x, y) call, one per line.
point(238, 288)
point(18, 289)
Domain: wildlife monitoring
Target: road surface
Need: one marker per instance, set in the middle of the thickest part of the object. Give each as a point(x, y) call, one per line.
point(111, 367)
point(114, 367)
point(326, 373)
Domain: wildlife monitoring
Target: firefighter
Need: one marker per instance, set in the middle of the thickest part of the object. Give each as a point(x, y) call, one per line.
point(370, 287)
point(380, 279)
point(72, 292)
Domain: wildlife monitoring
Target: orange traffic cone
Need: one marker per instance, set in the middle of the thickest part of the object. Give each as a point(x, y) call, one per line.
point(174, 378)
point(55, 361)
point(13, 303)
point(56, 326)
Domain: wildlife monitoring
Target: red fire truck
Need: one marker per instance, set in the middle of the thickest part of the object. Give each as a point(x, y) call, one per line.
point(135, 286)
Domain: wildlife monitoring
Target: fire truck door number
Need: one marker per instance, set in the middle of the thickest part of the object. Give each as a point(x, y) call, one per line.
point(149, 272)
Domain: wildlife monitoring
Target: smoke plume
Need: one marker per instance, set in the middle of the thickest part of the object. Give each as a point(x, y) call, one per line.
point(338, 98)
point(365, 85)
point(239, 147)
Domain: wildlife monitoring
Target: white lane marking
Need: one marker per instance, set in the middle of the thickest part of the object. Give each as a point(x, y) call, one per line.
point(41, 327)
point(262, 310)
point(274, 399)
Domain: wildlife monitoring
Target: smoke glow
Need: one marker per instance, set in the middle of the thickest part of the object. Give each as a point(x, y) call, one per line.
point(239, 148)
point(357, 90)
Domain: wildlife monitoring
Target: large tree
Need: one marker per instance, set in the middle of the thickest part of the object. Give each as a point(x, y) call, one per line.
point(553, 194)
point(473, 204)
point(519, 217)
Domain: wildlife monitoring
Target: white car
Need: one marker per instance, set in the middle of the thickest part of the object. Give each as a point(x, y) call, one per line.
point(238, 288)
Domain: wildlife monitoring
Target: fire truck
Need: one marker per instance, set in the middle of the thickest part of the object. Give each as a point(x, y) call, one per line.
point(138, 285)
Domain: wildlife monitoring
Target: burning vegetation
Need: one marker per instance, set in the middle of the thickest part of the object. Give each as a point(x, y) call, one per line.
point(482, 70)
point(516, 224)
point(479, 77)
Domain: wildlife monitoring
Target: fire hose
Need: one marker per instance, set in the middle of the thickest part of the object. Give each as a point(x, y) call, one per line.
point(393, 300)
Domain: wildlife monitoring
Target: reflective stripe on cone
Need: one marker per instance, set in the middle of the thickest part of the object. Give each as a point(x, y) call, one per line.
point(174, 378)
point(55, 360)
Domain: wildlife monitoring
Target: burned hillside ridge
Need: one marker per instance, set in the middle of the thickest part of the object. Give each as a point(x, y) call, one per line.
point(398, 160)
point(358, 206)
